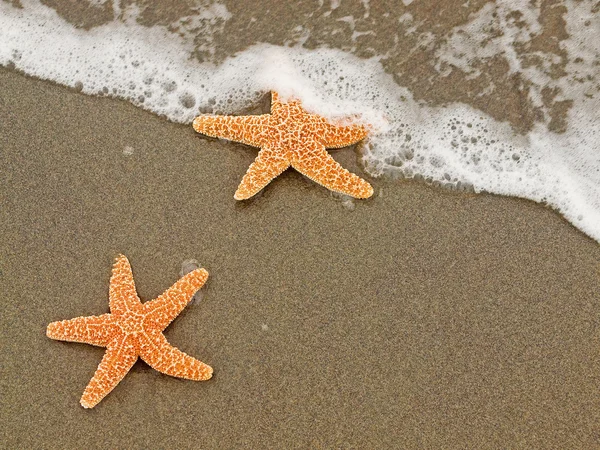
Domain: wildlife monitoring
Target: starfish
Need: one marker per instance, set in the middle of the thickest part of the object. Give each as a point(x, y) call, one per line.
point(133, 329)
point(289, 136)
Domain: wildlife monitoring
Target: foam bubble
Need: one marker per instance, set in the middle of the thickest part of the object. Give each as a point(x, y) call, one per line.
point(187, 266)
point(347, 202)
point(455, 147)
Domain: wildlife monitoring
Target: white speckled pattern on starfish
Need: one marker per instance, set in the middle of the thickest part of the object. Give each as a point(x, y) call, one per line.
point(134, 329)
point(289, 136)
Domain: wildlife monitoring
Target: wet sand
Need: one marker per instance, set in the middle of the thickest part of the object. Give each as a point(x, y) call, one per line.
point(421, 319)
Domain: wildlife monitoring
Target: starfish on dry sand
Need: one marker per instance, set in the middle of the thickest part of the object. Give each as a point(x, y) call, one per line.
point(289, 136)
point(134, 329)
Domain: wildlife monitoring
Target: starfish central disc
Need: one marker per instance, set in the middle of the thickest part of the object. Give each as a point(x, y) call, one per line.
point(131, 324)
point(134, 329)
point(289, 136)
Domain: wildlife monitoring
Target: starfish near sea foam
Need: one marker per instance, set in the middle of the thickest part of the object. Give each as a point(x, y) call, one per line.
point(289, 136)
point(134, 329)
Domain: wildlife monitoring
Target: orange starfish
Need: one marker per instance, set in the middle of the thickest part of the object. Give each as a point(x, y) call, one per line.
point(289, 136)
point(134, 329)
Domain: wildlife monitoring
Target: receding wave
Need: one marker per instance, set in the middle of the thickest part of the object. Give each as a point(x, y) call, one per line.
point(460, 144)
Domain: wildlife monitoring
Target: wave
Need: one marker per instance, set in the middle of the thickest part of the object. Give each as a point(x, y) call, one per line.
point(555, 161)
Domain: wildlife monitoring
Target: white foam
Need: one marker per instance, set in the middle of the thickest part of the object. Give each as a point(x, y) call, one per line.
point(456, 145)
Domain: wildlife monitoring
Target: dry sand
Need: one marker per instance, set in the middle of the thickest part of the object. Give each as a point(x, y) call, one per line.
point(421, 319)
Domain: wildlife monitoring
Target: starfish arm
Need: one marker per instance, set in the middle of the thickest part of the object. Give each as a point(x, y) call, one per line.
point(336, 136)
point(165, 358)
point(267, 165)
point(275, 101)
point(122, 294)
point(166, 307)
point(319, 166)
point(277, 106)
point(117, 361)
point(251, 130)
point(93, 330)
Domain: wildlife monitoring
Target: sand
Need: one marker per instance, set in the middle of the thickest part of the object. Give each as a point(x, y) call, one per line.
point(420, 319)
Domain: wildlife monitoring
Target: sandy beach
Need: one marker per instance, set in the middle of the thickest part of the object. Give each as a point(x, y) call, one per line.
point(420, 319)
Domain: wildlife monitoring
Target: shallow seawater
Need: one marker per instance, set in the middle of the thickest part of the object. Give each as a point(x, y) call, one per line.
point(502, 97)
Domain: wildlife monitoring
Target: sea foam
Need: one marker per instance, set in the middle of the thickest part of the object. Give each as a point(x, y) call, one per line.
point(455, 146)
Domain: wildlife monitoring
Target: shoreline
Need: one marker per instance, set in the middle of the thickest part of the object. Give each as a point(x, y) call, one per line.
point(422, 316)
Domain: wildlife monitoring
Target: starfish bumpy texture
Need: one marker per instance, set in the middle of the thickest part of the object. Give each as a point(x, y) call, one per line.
point(134, 329)
point(289, 136)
